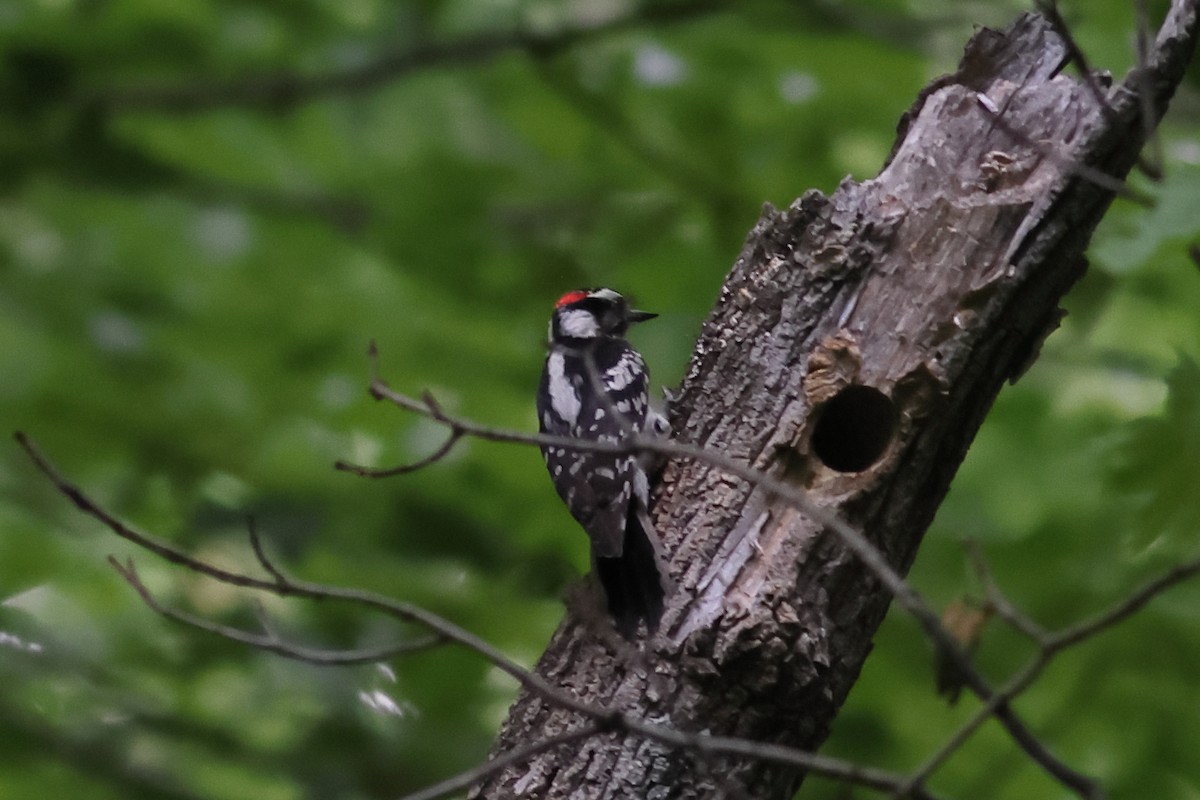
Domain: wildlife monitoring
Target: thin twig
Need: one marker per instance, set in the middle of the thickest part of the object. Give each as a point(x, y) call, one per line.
point(1049, 10)
point(868, 777)
point(1049, 646)
point(405, 612)
point(261, 554)
point(996, 599)
point(1153, 165)
point(402, 469)
point(959, 738)
point(1077, 633)
point(270, 642)
point(518, 755)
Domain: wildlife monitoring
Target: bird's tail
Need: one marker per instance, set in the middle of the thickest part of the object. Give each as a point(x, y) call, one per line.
point(635, 583)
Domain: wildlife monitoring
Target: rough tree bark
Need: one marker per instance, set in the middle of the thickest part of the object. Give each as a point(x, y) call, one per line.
point(856, 346)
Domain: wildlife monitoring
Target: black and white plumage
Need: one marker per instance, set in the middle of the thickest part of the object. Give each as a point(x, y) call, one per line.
point(595, 386)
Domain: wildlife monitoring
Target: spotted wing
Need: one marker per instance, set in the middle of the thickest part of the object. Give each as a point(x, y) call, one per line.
point(597, 487)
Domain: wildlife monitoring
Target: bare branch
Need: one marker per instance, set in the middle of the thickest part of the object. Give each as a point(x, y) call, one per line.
point(1049, 9)
point(877, 779)
point(92, 509)
point(997, 600)
point(261, 554)
point(1153, 164)
point(468, 777)
point(269, 642)
point(1135, 602)
point(402, 469)
point(405, 612)
point(1049, 646)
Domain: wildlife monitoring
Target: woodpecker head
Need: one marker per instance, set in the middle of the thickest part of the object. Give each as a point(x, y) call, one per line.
point(592, 314)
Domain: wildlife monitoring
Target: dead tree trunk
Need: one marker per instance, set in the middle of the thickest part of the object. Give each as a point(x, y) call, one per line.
point(856, 346)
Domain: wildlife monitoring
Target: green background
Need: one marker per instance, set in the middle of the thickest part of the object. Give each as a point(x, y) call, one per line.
point(186, 301)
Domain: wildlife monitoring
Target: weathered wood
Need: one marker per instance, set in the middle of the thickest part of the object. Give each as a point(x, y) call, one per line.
point(931, 284)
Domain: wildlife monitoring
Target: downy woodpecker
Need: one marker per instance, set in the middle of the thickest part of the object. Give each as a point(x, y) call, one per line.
point(595, 386)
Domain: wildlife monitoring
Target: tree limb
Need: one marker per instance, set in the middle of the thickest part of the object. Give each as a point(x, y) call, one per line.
point(856, 346)
point(895, 308)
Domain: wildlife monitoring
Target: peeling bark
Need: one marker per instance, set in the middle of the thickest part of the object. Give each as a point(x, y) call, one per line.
point(855, 348)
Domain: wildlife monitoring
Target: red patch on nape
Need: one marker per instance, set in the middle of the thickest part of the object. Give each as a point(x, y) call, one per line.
point(570, 297)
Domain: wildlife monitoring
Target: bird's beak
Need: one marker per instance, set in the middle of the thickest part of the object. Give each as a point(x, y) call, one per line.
point(634, 315)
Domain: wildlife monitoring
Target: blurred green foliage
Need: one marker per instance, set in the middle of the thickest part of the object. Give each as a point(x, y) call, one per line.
point(188, 296)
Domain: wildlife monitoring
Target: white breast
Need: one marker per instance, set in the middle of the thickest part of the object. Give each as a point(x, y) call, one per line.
point(563, 397)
